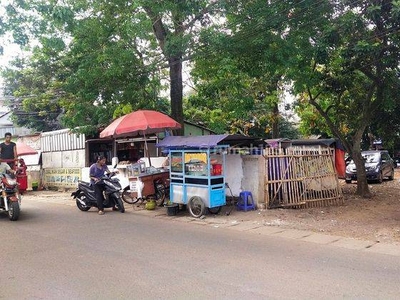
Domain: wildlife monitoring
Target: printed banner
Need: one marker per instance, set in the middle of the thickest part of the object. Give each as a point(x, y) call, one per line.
point(62, 177)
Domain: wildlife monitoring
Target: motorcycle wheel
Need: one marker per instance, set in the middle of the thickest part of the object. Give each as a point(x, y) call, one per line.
point(81, 206)
point(120, 204)
point(160, 194)
point(13, 211)
point(126, 196)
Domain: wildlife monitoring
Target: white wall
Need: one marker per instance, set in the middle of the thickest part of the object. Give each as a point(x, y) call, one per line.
point(246, 173)
point(64, 159)
point(233, 174)
point(254, 177)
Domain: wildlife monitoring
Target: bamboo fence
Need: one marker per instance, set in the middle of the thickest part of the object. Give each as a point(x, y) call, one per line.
point(301, 177)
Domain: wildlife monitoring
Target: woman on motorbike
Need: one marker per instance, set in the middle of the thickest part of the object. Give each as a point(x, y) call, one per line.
point(5, 168)
point(96, 172)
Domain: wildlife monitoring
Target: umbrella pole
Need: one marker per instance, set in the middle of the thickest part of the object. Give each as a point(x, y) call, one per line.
point(146, 149)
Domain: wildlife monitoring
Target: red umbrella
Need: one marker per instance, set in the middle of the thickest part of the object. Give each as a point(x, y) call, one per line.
point(139, 122)
point(24, 149)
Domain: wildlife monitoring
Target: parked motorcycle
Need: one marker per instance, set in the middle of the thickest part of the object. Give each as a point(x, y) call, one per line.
point(10, 198)
point(86, 198)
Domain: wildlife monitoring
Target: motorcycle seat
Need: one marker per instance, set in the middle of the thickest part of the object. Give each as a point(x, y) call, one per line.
point(84, 183)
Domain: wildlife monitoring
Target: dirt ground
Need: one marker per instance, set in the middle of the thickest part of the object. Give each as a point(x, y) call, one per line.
point(376, 219)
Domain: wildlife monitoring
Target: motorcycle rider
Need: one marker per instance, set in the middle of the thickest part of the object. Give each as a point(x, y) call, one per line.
point(96, 172)
point(5, 168)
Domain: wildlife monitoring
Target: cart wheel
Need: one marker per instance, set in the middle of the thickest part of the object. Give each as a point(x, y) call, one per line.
point(127, 196)
point(196, 207)
point(214, 210)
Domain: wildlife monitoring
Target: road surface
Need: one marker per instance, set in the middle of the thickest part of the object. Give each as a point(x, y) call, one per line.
point(56, 251)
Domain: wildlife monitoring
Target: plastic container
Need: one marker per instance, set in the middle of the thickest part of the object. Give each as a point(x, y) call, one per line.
point(172, 209)
point(151, 205)
point(216, 169)
point(23, 182)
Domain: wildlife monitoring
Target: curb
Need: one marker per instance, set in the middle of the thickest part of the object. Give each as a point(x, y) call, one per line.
point(300, 235)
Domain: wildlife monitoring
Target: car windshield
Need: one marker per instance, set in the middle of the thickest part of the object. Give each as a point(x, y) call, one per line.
point(371, 157)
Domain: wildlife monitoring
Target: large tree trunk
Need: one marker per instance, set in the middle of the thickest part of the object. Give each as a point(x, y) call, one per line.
point(176, 92)
point(362, 184)
point(174, 62)
point(353, 148)
point(275, 122)
point(355, 152)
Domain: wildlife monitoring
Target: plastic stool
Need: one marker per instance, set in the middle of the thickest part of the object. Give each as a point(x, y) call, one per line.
point(246, 201)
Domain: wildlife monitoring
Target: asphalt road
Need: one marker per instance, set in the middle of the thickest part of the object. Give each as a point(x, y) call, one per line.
point(57, 252)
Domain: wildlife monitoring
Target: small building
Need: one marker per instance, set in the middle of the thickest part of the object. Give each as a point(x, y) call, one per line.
point(66, 156)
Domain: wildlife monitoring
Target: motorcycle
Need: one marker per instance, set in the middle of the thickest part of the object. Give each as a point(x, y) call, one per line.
point(10, 198)
point(86, 198)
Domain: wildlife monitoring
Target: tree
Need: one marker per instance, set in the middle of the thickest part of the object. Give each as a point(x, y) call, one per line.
point(114, 52)
point(239, 69)
point(342, 57)
point(35, 94)
point(350, 66)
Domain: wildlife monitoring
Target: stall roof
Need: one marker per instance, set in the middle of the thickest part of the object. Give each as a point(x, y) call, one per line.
point(206, 141)
point(323, 142)
point(281, 142)
point(209, 141)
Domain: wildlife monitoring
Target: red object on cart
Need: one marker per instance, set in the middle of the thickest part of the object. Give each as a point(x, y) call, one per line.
point(22, 178)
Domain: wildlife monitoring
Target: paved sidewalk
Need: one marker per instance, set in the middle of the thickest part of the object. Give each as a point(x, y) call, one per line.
point(232, 219)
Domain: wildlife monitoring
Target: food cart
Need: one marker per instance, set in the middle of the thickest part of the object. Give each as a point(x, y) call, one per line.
point(197, 176)
point(146, 183)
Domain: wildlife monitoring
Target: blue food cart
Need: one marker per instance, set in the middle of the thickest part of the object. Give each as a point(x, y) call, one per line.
point(197, 179)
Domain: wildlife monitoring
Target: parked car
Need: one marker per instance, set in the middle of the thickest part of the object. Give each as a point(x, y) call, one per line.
point(396, 162)
point(378, 165)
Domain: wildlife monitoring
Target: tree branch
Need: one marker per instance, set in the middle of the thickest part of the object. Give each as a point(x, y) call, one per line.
point(158, 27)
point(204, 11)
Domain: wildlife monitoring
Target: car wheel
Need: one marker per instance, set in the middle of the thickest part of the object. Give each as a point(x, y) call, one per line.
point(391, 177)
point(380, 177)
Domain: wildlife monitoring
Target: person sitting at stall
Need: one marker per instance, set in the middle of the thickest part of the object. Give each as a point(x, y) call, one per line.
point(165, 163)
point(96, 172)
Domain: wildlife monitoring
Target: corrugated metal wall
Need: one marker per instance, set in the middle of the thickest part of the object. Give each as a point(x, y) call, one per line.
point(61, 140)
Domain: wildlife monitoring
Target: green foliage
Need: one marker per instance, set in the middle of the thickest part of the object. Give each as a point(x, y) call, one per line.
point(348, 72)
point(110, 55)
point(101, 69)
point(97, 60)
point(239, 71)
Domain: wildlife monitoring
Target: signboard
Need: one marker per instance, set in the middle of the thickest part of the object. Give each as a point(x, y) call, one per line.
point(62, 177)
